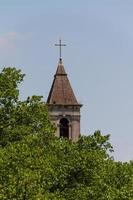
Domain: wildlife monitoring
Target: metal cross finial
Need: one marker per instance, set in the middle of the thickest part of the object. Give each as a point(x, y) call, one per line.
point(60, 45)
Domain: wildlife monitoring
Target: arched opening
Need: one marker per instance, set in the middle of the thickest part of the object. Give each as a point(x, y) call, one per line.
point(64, 128)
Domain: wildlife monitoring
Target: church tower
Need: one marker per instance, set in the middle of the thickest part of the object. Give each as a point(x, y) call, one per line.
point(64, 109)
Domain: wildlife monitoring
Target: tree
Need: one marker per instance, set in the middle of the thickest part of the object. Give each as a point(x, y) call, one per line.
point(18, 118)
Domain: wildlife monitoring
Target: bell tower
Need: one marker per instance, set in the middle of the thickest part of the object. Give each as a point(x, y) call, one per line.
point(64, 109)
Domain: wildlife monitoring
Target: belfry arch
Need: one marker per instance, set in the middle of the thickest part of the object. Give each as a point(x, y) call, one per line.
point(64, 128)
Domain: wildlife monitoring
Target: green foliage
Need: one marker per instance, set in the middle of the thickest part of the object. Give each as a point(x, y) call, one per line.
point(35, 165)
point(19, 118)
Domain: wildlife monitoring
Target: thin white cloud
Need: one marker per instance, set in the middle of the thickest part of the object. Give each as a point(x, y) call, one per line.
point(13, 35)
point(8, 40)
point(3, 43)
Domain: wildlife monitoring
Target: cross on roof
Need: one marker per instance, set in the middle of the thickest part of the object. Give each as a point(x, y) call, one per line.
point(60, 45)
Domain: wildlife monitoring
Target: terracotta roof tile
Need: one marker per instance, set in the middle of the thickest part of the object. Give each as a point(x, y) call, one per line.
point(61, 91)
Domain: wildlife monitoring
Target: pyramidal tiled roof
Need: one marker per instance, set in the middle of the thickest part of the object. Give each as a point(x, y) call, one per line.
point(61, 92)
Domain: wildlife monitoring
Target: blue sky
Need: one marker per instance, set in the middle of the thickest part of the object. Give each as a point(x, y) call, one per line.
point(98, 58)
